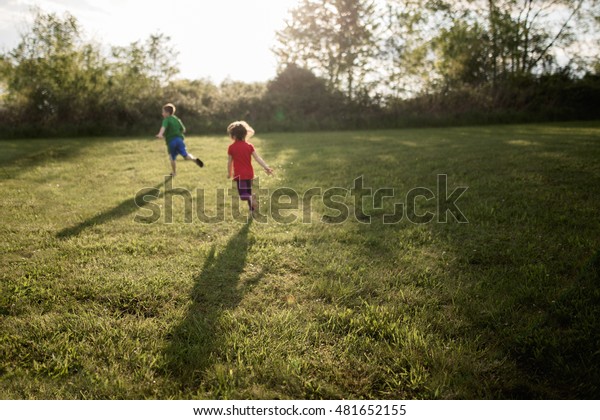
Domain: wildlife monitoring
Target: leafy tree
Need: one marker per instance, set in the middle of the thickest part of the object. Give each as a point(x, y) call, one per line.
point(475, 41)
point(55, 81)
point(336, 39)
point(49, 69)
point(5, 71)
point(297, 99)
point(524, 35)
point(142, 68)
point(196, 102)
point(463, 52)
point(235, 101)
point(130, 85)
point(410, 29)
point(138, 76)
point(161, 59)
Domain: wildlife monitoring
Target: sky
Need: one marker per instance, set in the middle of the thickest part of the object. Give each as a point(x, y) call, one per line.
point(206, 33)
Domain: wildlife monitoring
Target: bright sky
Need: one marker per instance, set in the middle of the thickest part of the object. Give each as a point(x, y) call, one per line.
point(204, 32)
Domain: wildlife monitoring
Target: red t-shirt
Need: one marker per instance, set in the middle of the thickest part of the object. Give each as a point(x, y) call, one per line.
point(241, 152)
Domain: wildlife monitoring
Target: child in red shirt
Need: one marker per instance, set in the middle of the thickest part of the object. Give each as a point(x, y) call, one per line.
point(239, 165)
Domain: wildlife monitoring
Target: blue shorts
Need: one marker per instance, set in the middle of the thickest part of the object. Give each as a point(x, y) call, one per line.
point(177, 147)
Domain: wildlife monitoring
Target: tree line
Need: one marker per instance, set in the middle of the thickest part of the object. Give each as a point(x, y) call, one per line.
point(343, 64)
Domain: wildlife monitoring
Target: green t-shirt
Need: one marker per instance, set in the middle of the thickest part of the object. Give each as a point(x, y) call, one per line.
point(173, 128)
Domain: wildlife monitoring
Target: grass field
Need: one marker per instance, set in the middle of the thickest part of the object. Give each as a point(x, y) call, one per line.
point(96, 302)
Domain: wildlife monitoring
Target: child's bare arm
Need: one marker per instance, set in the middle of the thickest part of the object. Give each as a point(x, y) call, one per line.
point(262, 163)
point(161, 133)
point(229, 167)
point(249, 129)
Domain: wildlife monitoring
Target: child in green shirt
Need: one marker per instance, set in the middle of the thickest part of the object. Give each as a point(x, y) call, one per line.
point(172, 130)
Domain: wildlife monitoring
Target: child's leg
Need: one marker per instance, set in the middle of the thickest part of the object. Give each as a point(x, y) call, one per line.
point(251, 197)
point(245, 191)
point(189, 156)
point(173, 166)
point(172, 150)
point(179, 148)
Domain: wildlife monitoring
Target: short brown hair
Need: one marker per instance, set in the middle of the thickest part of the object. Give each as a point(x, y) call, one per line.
point(170, 108)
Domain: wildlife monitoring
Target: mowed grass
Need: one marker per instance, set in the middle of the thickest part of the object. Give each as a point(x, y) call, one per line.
point(97, 305)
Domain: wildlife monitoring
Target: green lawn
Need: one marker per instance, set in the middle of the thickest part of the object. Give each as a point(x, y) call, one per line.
point(96, 302)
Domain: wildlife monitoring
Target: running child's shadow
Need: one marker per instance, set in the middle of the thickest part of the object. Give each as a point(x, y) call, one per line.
point(217, 288)
point(127, 207)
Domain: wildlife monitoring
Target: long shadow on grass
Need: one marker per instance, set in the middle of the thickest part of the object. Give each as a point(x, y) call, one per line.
point(127, 207)
point(20, 155)
point(216, 290)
